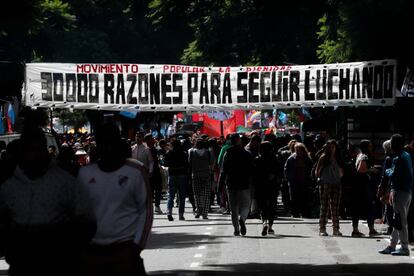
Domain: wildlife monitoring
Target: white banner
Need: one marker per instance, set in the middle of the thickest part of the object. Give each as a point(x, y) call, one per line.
point(407, 89)
point(190, 88)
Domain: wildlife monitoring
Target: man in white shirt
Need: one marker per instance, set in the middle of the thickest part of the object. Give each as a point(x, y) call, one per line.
point(122, 206)
point(142, 152)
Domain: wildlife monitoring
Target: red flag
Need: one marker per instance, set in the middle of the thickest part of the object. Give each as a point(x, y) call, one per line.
point(229, 126)
point(239, 117)
point(211, 127)
point(180, 116)
point(198, 117)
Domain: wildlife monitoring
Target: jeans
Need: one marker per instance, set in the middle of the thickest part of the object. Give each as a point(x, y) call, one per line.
point(239, 201)
point(177, 183)
point(401, 204)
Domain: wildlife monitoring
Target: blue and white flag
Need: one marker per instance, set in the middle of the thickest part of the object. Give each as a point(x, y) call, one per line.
point(283, 117)
point(129, 114)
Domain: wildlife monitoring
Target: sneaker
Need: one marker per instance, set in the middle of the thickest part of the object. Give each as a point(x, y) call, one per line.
point(197, 216)
point(236, 233)
point(401, 252)
point(181, 217)
point(243, 229)
point(387, 250)
point(157, 210)
point(270, 231)
point(373, 233)
point(336, 233)
point(205, 217)
point(170, 217)
point(323, 234)
point(264, 230)
point(357, 234)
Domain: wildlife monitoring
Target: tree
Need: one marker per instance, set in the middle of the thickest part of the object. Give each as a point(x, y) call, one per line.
point(76, 118)
point(253, 32)
point(32, 29)
point(366, 30)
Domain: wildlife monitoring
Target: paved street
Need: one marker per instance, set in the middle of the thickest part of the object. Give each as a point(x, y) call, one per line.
point(208, 247)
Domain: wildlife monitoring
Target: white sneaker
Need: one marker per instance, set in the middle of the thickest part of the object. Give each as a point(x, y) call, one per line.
point(158, 210)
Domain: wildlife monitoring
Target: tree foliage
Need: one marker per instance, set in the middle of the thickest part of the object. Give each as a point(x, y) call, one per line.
point(366, 30)
point(205, 32)
point(76, 118)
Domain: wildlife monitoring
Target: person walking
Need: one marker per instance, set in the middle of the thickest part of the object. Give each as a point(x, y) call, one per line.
point(401, 175)
point(329, 173)
point(123, 208)
point(253, 148)
point(266, 171)
point(46, 217)
point(142, 153)
point(155, 178)
point(238, 171)
point(224, 200)
point(201, 162)
point(176, 161)
point(298, 173)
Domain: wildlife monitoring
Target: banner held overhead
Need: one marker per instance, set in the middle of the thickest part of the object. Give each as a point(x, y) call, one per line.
point(146, 87)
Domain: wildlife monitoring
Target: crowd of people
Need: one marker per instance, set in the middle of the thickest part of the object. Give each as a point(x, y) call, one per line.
point(100, 190)
point(245, 175)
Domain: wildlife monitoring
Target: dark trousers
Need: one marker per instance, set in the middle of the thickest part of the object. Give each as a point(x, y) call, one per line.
point(284, 188)
point(177, 183)
point(156, 187)
point(363, 201)
point(299, 200)
point(267, 208)
point(121, 259)
point(47, 266)
point(224, 200)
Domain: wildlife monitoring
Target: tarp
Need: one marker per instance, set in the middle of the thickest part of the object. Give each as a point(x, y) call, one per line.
point(146, 87)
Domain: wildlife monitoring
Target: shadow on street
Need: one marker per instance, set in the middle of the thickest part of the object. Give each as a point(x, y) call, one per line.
point(297, 269)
